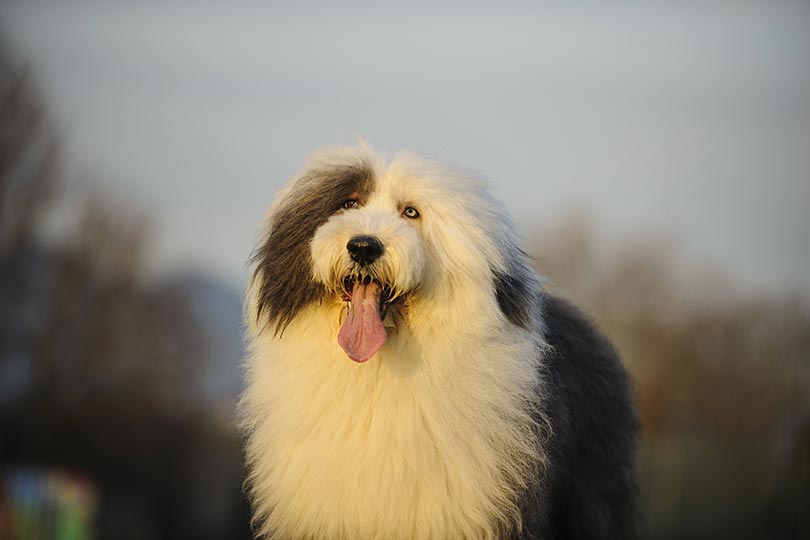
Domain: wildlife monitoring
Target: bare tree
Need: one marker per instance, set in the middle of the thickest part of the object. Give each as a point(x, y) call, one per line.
point(28, 155)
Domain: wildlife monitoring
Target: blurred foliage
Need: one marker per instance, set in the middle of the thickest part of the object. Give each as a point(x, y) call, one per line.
point(28, 155)
point(722, 379)
point(99, 370)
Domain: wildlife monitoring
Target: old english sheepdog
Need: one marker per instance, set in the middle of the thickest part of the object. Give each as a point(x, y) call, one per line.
point(409, 378)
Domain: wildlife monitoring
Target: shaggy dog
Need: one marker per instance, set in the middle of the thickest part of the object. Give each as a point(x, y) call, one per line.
point(408, 377)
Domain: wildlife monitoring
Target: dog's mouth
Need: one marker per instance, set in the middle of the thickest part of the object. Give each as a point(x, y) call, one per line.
point(363, 332)
point(387, 293)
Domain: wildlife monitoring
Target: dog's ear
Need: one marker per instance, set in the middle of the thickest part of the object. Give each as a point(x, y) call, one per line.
point(283, 278)
point(517, 291)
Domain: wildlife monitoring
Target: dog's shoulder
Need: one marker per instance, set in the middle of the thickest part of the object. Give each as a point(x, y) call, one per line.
point(576, 345)
point(584, 371)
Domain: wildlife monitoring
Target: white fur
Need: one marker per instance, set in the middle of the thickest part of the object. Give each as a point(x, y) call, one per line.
point(433, 437)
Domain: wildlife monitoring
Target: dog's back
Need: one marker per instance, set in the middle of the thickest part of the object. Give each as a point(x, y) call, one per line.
point(589, 488)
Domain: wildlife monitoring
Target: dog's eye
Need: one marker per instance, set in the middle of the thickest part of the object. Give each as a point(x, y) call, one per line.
point(350, 203)
point(410, 212)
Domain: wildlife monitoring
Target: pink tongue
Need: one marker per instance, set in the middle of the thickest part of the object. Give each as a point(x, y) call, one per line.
point(363, 333)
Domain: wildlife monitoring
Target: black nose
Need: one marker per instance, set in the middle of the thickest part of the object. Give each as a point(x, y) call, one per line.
point(365, 249)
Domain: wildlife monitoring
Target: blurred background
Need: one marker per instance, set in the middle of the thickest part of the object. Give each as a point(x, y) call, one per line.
point(656, 156)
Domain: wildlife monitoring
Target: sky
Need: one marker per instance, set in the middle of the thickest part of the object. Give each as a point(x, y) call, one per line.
point(688, 120)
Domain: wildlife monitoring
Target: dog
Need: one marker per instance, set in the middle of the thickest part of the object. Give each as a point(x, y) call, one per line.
point(409, 376)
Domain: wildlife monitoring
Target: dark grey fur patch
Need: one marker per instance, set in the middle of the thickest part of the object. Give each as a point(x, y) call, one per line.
point(283, 262)
point(589, 488)
point(517, 292)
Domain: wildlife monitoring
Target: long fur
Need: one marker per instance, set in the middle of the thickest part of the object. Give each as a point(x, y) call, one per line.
point(459, 426)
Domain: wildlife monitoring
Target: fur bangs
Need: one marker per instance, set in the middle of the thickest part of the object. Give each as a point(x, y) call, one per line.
point(283, 262)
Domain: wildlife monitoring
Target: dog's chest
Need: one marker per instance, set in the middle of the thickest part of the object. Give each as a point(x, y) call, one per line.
point(385, 458)
point(403, 446)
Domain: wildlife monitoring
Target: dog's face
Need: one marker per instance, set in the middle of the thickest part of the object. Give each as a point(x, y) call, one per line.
point(373, 239)
point(370, 254)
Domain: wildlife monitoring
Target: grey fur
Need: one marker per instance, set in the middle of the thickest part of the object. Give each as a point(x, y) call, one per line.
point(283, 262)
point(517, 290)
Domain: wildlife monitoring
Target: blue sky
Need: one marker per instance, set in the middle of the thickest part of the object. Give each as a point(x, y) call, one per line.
point(688, 119)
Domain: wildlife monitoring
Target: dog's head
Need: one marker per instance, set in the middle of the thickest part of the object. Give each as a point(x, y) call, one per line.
point(382, 237)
